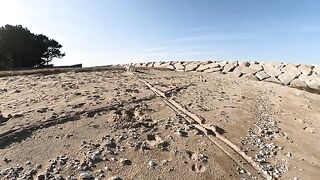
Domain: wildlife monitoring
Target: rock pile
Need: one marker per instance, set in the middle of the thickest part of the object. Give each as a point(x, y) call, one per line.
point(293, 75)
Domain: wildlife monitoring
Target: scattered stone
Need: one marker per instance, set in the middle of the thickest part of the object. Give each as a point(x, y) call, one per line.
point(165, 162)
point(163, 145)
point(115, 178)
point(17, 91)
point(288, 154)
point(3, 119)
point(151, 137)
point(17, 115)
point(152, 164)
point(107, 168)
point(6, 160)
point(125, 161)
point(310, 130)
point(198, 168)
point(86, 176)
point(42, 110)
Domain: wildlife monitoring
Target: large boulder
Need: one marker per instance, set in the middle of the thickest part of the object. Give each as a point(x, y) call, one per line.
point(305, 69)
point(291, 69)
point(191, 66)
point(179, 66)
point(257, 67)
point(237, 71)
point(203, 67)
point(286, 78)
point(272, 70)
point(164, 65)
point(261, 75)
point(229, 67)
point(150, 64)
point(314, 84)
point(170, 67)
point(244, 63)
point(250, 77)
point(212, 70)
point(313, 81)
point(157, 64)
point(222, 63)
point(289, 74)
point(316, 69)
point(298, 83)
point(249, 70)
point(273, 80)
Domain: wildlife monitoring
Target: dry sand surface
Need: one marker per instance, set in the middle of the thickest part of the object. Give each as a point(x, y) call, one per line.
point(156, 125)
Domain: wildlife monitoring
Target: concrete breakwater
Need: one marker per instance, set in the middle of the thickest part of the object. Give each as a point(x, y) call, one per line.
point(300, 76)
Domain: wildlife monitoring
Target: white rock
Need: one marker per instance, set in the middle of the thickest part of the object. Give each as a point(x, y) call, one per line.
point(157, 64)
point(273, 80)
point(249, 70)
point(179, 66)
point(316, 69)
point(250, 76)
point(170, 67)
point(229, 67)
point(290, 69)
point(191, 67)
point(203, 67)
point(298, 83)
point(152, 164)
point(257, 67)
point(261, 75)
point(212, 70)
point(244, 63)
point(305, 69)
point(271, 70)
point(286, 78)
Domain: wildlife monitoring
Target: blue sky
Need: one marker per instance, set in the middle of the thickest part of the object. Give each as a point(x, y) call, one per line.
point(100, 32)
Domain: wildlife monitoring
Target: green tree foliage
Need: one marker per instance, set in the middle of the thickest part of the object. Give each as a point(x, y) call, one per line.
point(19, 48)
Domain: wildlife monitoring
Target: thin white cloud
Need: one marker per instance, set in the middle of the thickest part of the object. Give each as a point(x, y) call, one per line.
point(155, 49)
point(218, 37)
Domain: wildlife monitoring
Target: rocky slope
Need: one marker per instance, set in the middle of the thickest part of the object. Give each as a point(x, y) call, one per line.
point(294, 75)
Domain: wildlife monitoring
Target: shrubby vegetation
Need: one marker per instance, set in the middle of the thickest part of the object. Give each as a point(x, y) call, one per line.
point(19, 48)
